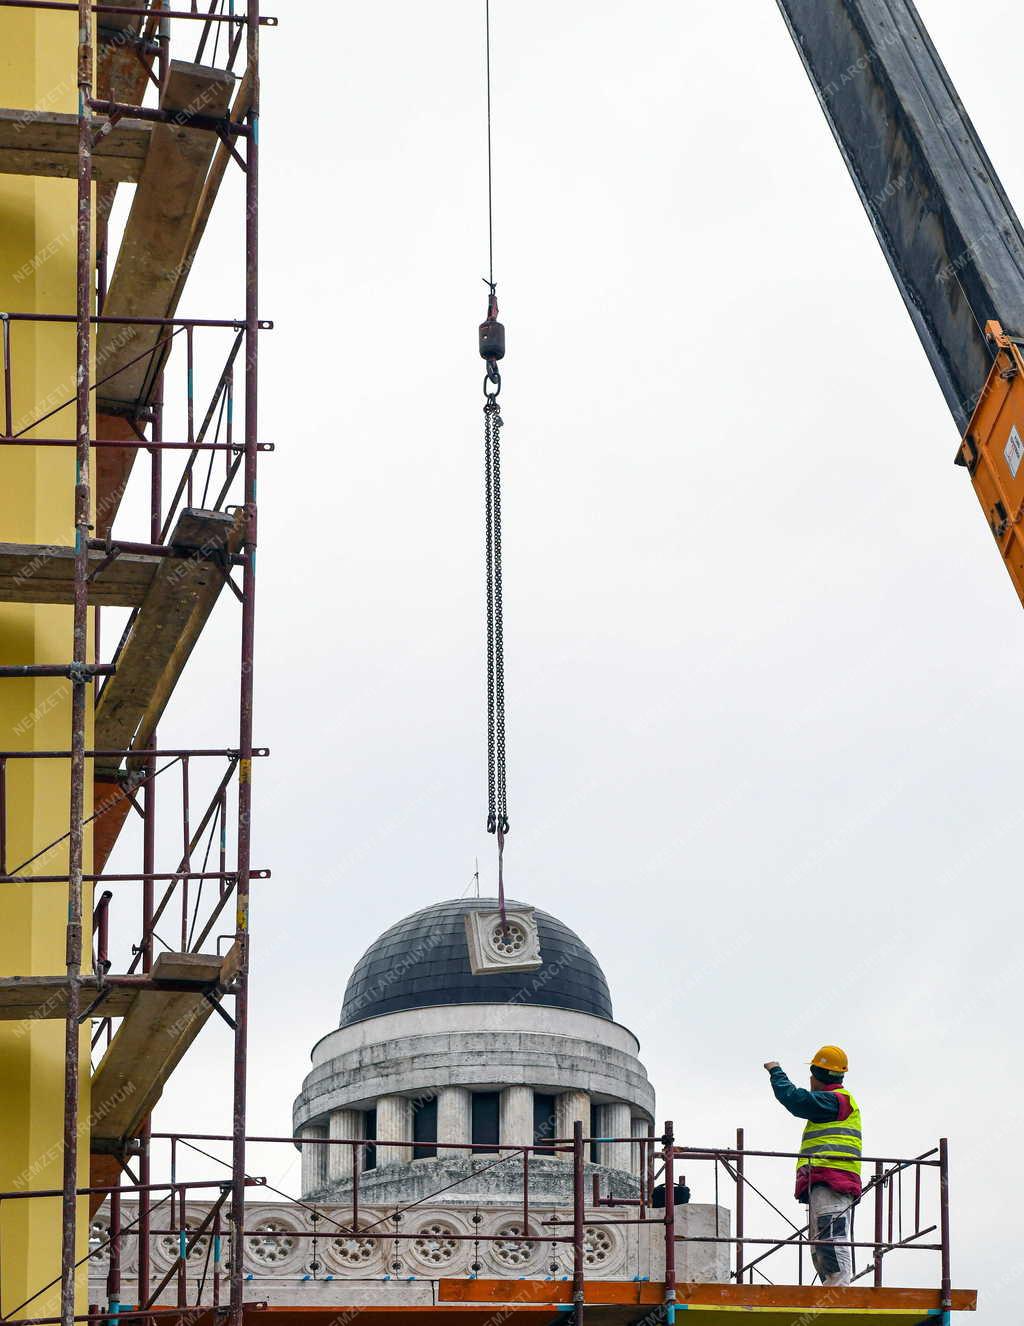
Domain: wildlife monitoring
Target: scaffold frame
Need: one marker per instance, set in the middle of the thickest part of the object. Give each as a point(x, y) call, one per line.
point(144, 32)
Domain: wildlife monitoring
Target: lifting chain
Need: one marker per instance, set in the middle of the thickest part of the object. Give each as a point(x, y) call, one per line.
point(497, 803)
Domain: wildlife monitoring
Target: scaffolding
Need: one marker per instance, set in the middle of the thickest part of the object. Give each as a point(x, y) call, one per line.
point(177, 151)
point(200, 119)
point(195, 1280)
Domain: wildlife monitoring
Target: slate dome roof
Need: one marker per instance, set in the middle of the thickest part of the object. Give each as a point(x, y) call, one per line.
point(423, 962)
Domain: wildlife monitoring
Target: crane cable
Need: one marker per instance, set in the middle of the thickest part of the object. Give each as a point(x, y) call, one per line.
point(492, 349)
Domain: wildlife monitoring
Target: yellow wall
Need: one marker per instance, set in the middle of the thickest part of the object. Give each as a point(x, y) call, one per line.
point(37, 274)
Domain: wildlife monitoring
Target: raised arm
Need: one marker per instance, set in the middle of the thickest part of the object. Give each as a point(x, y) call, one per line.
point(817, 1106)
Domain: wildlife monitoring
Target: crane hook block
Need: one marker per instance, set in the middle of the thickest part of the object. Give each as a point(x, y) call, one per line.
point(492, 333)
point(492, 339)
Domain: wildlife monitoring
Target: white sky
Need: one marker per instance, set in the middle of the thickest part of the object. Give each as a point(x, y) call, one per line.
point(763, 662)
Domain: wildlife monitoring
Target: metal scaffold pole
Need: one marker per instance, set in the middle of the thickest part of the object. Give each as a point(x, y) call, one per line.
point(578, 1223)
point(245, 747)
point(79, 673)
point(668, 1147)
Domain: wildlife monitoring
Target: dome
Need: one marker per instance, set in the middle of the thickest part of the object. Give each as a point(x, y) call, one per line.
point(423, 962)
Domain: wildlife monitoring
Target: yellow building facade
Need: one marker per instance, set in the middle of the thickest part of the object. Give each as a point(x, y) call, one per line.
point(37, 275)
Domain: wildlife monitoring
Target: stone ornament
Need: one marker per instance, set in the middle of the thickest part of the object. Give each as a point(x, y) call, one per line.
point(601, 1249)
point(348, 1252)
point(99, 1232)
point(166, 1246)
point(514, 1252)
point(512, 945)
point(271, 1243)
point(279, 1249)
point(434, 1246)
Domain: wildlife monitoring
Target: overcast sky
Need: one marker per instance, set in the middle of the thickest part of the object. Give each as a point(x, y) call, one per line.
point(764, 665)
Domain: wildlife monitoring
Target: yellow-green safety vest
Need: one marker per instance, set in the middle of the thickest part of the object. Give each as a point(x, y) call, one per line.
point(833, 1145)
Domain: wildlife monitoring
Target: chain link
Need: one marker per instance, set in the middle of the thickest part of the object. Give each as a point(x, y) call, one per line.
point(497, 803)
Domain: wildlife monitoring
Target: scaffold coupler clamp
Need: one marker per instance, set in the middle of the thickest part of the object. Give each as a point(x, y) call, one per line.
point(492, 342)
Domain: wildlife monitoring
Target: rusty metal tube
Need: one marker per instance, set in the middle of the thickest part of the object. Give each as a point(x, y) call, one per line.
point(670, 1224)
point(739, 1205)
point(578, 1220)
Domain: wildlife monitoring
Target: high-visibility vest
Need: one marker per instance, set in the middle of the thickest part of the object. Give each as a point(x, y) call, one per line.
point(833, 1145)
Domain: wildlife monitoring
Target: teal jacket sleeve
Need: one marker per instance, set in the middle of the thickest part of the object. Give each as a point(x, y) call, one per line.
point(816, 1106)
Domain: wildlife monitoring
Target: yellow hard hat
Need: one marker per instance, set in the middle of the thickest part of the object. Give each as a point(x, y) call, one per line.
point(832, 1059)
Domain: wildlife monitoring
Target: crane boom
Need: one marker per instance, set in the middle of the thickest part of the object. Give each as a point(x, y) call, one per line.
point(951, 238)
point(947, 229)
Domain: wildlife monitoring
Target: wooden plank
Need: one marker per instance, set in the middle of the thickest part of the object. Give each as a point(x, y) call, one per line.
point(202, 967)
point(155, 256)
point(157, 232)
point(104, 1172)
point(796, 1297)
point(32, 997)
point(121, 75)
point(149, 1044)
point(304, 1315)
point(111, 807)
point(177, 604)
point(517, 1307)
point(44, 573)
point(120, 70)
point(239, 110)
point(46, 143)
point(113, 467)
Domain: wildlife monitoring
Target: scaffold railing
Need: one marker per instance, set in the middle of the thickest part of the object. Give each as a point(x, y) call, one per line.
point(197, 1277)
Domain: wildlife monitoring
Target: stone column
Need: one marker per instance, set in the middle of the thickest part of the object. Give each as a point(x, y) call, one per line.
point(614, 1120)
point(638, 1160)
point(516, 1123)
point(314, 1163)
point(347, 1124)
point(570, 1106)
point(394, 1123)
point(454, 1118)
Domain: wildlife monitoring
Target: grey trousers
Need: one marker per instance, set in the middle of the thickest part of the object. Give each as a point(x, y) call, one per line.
point(830, 1216)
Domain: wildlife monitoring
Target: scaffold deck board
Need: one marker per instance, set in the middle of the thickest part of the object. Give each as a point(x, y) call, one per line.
point(611, 1302)
point(153, 251)
point(110, 807)
point(46, 143)
point(45, 573)
point(442, 1314)
point(120, 70)
point(177, 604)
point(38, 997)
point(122, 74)
point(155, 1034)
point(629, 1303)
point(154, 258)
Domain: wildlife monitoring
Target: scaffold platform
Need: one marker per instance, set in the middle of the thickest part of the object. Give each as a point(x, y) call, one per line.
point(46, 143)
point(614, 1303)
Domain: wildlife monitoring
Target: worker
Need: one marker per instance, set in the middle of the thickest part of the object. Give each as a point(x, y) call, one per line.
point(828, 1169)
